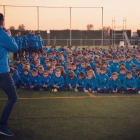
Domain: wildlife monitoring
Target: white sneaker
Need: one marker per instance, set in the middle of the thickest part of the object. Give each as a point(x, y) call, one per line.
point(94, 91)
point(86, 91)
point(138, 92)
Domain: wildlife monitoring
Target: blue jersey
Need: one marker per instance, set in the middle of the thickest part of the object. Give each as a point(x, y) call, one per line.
point(138, 82)
point(115, 67)
point(45, 81)
point(25, 79)
point(129, 83)
point(71, 81)
point(81, 82)
point(34, 41)
point(115, 84)
point(103, 81)
point(18, 41)
point(34, 80)
point(91, 83)
point(121, 78)
point(25, 42)
point(40, 42)
point(129, 65)
point(59, 81)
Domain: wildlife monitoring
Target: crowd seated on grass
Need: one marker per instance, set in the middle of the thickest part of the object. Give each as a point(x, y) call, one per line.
point(94, 70)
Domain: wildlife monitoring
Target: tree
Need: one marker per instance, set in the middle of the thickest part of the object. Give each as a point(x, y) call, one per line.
point(12, 28)
point(90, 26)
point(21, 27)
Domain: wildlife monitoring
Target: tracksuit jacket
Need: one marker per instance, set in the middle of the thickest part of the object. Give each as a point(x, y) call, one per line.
point(71, 81)
point(115, 84)
point(34, 80)
point(45, 81)
point(59, 81)
point(91, 83)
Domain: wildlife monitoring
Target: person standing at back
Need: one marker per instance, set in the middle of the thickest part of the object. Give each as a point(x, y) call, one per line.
point(7, 45)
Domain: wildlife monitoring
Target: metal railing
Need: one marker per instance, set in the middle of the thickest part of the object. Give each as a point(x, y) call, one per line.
point(88, 42)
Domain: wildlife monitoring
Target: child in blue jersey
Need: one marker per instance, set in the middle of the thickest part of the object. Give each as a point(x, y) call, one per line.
point(108, 71)
point(80, 85)
point(103, 81)
point(129, 63)
point(71, 80)
point(34, 80)
point(58, 82)
point(27, 56)
point(68, 65)
point(121, 77)
point(122, 59)
point(129, 83)
point(78, 65)
point(25, 79)
point(15, 77)
point(42, 59)
point(83, 65)
point(134, 72)
point(73, 68)
point(45, 82)
point(110, 60)
point(18, 63)
point(115, 83)
point(115, 66)
point(40, 70)
point(91, 82)
point(91, 62)
point(47, 64)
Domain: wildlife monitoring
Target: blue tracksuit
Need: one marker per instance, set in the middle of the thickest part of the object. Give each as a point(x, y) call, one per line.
point(45, 81)
point(25, 42)
point(91, 83)
point(25, 79)
point(18, 65)
point(115, 67)
point(108, 72)
point(82, 69)
point(81, 82)
point(40, 42)
point(15, 78)
point(42, 60)
point(129, 83)
point(59, 81)
point(7, 44)
point(29, 38)
point(18, 41)
point(129, 65)
point(135, 61)
point(121, 78)
point(71, 81)
point(93, 66)
point(76, 72)
point(34, 41)
point(34, 80)
point(103, 81)
point(78, 66)
point(115, 84)
point(138, 82)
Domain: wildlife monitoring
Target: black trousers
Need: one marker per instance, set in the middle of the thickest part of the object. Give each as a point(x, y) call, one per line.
point(130, 91)
point(7, 85)
point(24, 50)
point(34, 49)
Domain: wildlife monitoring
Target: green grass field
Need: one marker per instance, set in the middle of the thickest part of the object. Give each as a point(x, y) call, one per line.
point(73, 116)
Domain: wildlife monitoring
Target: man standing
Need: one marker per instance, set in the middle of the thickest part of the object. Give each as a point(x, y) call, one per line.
point(40, 43)
point(7, 45)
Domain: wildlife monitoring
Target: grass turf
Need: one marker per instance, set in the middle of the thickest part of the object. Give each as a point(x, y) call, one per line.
point(101, 117)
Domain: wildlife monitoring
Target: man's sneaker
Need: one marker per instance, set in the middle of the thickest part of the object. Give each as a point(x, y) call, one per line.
point(41, 89)
point(94, 91)
point(138, 92)
point(86, 91)
point(5, 131)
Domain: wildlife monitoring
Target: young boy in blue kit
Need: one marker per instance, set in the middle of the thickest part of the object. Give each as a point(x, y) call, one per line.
point(58, 82)
point(80, 85)
point(15, 78)
point(25, 79)
point(115, 83)
point(73, 68)
point(115, 65)
point(45, 82)
point(129, 83)
point(34, 80)
point(129, 63)
point(91, 82)
point(103, 81)
point(71, 80)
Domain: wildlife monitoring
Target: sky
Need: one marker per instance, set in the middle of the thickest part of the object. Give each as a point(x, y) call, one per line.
point(57, 19)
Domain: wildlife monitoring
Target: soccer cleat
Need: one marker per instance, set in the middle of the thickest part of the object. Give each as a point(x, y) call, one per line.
point(86, 91)
point(5, 131)
point(55, 90)
point(76, 90)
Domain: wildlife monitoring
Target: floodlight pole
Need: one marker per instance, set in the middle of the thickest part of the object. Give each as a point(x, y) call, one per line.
point(70, 26)
point(102, 27)
point(38, 17)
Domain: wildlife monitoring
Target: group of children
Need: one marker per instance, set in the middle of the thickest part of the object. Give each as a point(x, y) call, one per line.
point(112, 70)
